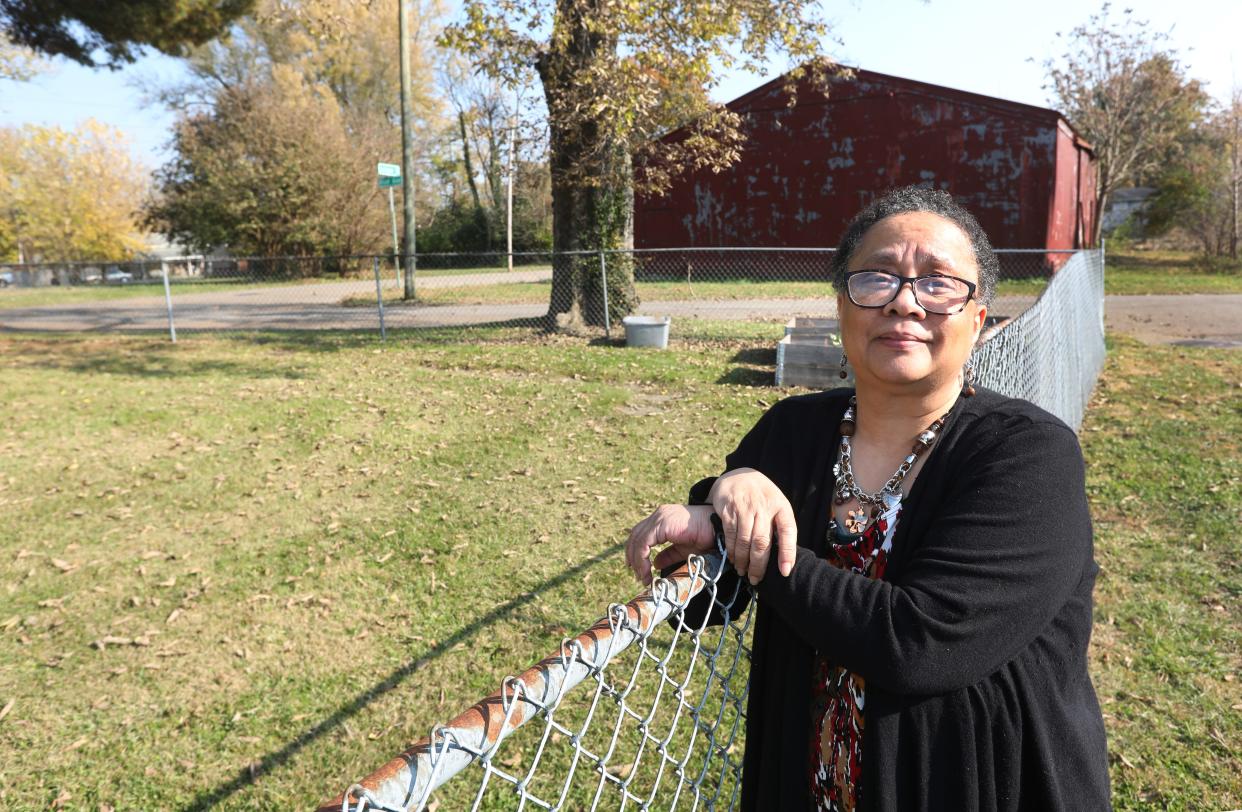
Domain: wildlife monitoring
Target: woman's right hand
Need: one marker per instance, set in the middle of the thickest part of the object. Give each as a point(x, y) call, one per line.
point(755, 513)
point(688, 528)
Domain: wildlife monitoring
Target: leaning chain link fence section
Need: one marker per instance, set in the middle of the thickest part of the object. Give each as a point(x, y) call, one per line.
point(706, 291)
point(659, 725)
point(1052, 353)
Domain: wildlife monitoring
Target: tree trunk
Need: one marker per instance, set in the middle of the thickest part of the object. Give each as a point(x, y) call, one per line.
point(480, 216)
point(592, 193)
point(1101, 200)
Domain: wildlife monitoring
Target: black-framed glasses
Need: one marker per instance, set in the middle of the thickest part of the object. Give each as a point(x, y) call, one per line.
point(938, 293)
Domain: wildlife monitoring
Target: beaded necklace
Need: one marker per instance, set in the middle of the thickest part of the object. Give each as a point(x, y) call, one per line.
point(874, 503)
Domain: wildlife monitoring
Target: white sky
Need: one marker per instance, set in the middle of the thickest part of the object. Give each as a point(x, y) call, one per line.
point(994, 47)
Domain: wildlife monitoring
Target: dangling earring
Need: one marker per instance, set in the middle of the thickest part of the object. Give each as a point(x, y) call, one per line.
point(968, 378)
point(844, 373)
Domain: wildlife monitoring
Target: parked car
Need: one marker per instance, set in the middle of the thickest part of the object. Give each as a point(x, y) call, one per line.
point(116, 276)
point(6, 279)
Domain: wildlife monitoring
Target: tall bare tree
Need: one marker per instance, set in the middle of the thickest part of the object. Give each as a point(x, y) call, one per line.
point(1123, 86)
point(616, 75)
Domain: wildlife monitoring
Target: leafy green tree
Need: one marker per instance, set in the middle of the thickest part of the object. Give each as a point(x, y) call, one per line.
point(69, 195)
point(281, 127)
point(78, 29)
point(274, 170)
point(615, 76)
point(1126, 91)
point(1198, 193)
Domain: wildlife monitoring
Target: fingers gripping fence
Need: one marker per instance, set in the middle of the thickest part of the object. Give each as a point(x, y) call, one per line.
point(677, 736)
point(1052, 353)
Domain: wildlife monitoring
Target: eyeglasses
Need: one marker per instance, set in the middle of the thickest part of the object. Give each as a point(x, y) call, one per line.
point(940, 294)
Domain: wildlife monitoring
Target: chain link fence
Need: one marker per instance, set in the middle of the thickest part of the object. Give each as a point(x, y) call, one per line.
point(1052, 353)
point(647, 708)
point(657, 720)
point(715, 290)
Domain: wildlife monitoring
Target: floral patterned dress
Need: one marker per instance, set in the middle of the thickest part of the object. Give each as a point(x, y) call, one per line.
point(838, 697)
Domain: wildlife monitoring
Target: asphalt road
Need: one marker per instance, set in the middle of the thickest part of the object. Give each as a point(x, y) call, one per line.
point(1207, 319)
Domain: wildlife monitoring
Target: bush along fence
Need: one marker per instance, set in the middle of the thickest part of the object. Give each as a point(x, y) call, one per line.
point(647, 708)
point(188, 295)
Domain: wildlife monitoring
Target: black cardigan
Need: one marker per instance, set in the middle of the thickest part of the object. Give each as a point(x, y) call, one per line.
point(973, 647)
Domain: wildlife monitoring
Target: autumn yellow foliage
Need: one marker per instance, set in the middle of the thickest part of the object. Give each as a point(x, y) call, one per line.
point(69, 194)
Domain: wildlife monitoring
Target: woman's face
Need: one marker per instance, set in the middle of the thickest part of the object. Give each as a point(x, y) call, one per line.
point(901, 343)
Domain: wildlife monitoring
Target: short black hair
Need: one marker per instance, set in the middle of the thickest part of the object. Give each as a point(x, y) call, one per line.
point(912, 199)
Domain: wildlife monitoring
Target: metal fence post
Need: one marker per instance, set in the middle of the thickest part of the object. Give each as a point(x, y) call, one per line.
point(379, 299)
point(172, 327)
point(603, 273)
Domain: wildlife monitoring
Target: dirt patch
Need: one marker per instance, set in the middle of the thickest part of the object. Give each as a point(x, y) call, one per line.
point(1196, 319)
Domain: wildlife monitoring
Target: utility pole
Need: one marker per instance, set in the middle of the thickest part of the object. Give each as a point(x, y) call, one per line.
point(407, 150)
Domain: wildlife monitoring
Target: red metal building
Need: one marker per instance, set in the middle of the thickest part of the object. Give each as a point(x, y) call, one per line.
point(807, 169)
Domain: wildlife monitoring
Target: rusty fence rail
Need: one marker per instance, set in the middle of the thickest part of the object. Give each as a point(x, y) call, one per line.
point(663, 716)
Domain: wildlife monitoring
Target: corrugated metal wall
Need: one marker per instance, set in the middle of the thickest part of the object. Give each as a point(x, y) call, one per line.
point(806, 170)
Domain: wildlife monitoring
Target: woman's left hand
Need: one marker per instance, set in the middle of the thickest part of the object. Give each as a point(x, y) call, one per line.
point(756, 517)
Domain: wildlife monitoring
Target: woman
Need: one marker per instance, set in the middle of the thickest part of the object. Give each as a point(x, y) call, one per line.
point(922, 629)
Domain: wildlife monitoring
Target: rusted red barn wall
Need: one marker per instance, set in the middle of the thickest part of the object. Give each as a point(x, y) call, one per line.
point(807, 169)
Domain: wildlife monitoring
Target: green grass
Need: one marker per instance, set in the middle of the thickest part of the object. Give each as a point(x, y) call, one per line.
point(319, 546)
point(1151, 272)
point(50, 296)
point(14, 297)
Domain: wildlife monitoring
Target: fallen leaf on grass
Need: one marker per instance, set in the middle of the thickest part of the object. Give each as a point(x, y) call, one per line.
point(621, 771)
point(8, 706)
point(173, 615)
point(78, 743)
point(111, 640)
point(63, 566)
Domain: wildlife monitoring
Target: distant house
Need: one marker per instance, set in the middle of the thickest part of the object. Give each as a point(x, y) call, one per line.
point(807, 169)
point(1124, 203)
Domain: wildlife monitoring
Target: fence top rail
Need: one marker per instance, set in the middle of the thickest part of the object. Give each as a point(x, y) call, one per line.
point(451, 254)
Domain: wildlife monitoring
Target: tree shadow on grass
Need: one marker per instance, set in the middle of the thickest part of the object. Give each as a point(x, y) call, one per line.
point(756, 367)
point(277, 758)
point(337, 340)
point(133, 359)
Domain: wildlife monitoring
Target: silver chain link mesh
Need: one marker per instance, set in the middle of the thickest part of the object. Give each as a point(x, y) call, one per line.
point(659, 724)
point(1052, 353)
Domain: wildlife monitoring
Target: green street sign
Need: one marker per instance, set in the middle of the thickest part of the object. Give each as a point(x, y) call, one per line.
point(385, 182)
point(388, 170)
